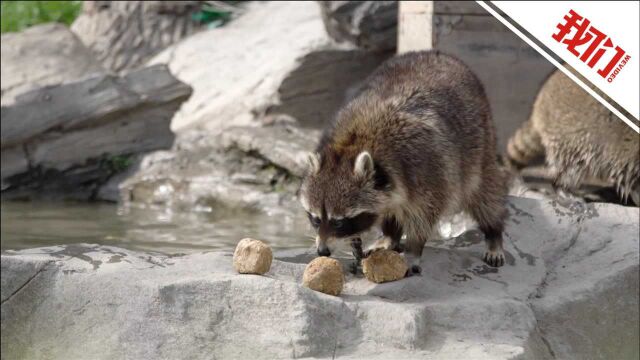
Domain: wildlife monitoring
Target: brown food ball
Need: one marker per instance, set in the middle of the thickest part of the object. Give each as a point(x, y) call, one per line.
point(252, 257)
point(383, 266)
point(324, 274)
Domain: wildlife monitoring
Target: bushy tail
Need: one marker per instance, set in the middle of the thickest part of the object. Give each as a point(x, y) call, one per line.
point(524, 146)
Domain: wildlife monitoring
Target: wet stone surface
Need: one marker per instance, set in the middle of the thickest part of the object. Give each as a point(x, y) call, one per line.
point(149, 305)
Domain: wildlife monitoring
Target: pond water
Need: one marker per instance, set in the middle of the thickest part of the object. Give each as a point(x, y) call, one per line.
point(35, 224)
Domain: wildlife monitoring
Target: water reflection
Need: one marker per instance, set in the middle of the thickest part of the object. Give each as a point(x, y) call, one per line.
point(34, 224)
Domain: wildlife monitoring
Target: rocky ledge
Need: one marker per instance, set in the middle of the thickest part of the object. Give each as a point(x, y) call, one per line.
point(569, 290)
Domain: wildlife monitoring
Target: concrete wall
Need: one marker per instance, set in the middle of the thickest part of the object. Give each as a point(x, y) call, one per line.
point(511, 71)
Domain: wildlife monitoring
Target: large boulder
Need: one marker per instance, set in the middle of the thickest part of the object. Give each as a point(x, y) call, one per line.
point(242, 168)
point(371, 25)
point(240, 142)
point(125, 34)
point(65, 137)
point(283, 146)
point(568, 290)
point(43, 55)
point(275, 58)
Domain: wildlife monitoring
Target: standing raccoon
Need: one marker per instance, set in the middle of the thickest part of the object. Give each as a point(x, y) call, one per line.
point(415, 145)
point(580, 138)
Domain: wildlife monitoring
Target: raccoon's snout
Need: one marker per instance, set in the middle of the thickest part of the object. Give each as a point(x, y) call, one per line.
point(323, 250)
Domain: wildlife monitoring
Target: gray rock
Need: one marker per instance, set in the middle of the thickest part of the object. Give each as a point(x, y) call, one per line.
point(23, 272)
point(294, 68)
point(283, 146)
point(238, 145)
point(137, 131)
point(125, 34)
point(573, 314)
point(369, 25)
point(87, 103)
point(43, 55)
point(322, 82)
point(569, 290)
point(83, 132)
point(109, 191)
point(14, 161)
point(243, 168)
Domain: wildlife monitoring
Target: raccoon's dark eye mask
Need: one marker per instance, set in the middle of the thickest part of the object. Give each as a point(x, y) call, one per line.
point(315, 221)
point(351, 226)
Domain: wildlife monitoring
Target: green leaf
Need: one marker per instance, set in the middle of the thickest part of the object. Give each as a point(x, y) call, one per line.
point(18, 15)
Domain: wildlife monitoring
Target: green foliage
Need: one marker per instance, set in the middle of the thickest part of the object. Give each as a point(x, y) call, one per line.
point(18, 15)
point(212, 16)
point(119, 163)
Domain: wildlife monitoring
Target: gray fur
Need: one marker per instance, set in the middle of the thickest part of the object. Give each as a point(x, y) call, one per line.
point(425, 120)
point(580, 138)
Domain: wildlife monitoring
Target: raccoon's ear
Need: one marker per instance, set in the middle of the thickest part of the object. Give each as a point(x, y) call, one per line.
point(313, 162)
point(363, 165)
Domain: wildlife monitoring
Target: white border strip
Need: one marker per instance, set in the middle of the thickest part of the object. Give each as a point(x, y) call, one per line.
point(559, 66)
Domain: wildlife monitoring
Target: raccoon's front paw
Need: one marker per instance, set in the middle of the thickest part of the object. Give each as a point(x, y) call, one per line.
point(494, 258)
point(354, 268)
point(413, 271)
point(399, 248)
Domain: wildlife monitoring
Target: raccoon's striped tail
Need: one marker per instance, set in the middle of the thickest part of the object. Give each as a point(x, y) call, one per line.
point(524, 145)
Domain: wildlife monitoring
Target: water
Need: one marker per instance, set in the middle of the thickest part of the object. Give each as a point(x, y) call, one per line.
point(36, 224)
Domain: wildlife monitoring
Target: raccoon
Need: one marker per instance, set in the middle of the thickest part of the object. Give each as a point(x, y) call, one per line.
point(415, 145)
point(579, 138)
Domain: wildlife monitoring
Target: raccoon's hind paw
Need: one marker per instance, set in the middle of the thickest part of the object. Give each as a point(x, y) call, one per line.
point(494, 258)
point(413, 271)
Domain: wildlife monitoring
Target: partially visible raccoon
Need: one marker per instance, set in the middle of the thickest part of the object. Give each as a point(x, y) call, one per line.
point(417, 144)
point(579, 138)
